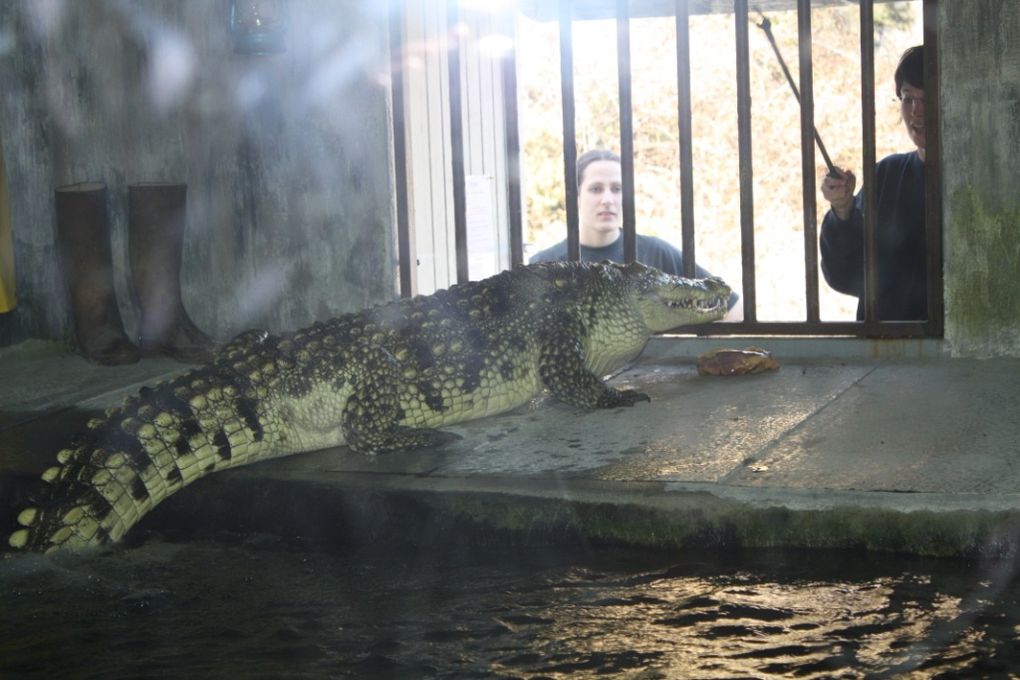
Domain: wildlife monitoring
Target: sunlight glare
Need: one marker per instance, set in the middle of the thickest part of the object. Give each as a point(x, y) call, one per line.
point(171, 69)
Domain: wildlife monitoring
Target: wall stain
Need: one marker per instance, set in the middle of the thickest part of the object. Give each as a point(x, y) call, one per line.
point(982, 295)
point(87, 98)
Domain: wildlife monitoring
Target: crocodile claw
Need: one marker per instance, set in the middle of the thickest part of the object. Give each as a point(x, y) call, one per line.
point(627, 397)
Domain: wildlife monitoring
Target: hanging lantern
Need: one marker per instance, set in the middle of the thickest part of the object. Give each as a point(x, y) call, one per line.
point(258, 26)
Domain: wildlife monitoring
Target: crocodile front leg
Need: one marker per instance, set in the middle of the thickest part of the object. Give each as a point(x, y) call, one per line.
point(563, 370)
point(371, 417)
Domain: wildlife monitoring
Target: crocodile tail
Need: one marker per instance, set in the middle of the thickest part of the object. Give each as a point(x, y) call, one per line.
point(127, 462)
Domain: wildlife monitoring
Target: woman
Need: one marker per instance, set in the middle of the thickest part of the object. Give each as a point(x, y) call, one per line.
point(600, 224)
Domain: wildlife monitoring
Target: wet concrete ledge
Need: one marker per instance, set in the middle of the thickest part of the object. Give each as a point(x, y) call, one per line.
point(917, 454)
point(342, 508)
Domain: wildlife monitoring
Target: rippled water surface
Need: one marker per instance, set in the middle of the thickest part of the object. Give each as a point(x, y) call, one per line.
point(259, 607)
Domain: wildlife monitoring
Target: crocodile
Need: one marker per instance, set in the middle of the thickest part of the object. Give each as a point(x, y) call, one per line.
point(379, 380)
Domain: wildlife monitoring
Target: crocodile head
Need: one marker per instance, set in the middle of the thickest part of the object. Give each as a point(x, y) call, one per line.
point(669, 301)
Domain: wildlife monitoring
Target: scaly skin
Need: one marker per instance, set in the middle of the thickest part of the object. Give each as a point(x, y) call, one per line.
point(379, 380)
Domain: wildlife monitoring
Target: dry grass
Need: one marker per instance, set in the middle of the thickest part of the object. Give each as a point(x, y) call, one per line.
point(776, 155)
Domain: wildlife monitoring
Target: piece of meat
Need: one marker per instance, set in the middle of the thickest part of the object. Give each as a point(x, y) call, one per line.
point(736, 362)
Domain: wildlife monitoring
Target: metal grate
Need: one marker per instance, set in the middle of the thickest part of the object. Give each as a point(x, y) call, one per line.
point(812, 324)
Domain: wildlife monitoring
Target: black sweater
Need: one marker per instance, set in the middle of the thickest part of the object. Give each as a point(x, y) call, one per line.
point(902, 244)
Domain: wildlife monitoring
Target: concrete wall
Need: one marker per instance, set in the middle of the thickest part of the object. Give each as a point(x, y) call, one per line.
point(980, 65)
point(286, 156)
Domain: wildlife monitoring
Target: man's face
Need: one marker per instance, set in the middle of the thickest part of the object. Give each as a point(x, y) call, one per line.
point(600, 198)
point(912, 110)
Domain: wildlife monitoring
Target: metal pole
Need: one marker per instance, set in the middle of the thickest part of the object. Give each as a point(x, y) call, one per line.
point(457, 144)
point(748, 283)
point(766, 26)
point(405, 266)
point(683, 79)
point(569, 132)
point(626, 129)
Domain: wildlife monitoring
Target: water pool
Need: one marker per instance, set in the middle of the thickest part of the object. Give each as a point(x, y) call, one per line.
point(449, 604)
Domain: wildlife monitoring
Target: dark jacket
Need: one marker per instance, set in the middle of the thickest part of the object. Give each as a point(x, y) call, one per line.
point(901, 237)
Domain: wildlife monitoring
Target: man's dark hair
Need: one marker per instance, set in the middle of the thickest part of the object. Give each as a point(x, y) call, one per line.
point(910, 69)
point(589, 157)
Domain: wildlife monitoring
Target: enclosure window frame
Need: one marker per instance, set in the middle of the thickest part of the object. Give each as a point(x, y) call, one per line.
point(812, 325)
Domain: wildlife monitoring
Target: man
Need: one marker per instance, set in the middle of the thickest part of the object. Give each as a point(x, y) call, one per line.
point(899, 193)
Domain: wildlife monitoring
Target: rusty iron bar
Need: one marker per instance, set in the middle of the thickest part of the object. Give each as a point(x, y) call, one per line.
point(404, 268)
point(569, 127)
point(457, 142)
point(933, 170)
point(508, 74)
point(683, 104)
point(626, 129)
point(869, 160)
point(748, 281)
point(807, 126)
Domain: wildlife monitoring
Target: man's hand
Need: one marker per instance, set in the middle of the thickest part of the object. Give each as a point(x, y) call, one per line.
point(839, 192)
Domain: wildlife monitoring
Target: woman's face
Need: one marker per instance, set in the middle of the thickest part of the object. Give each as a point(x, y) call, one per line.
point(600, 199)
point(912, 110)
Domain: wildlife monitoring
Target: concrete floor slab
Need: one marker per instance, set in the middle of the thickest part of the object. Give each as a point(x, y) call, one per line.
point(696, 428)
point(913, 455)
point(949, 428)
point(41, 378)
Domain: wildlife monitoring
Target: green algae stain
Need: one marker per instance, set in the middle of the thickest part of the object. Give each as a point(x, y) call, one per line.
point(982, 290)
point(705, 521)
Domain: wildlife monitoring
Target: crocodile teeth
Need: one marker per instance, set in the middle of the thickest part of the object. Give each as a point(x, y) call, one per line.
point(690, 304)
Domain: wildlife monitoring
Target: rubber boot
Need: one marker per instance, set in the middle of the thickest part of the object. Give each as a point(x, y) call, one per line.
point(83, 240)
point(156, 221)
point(8, 298)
